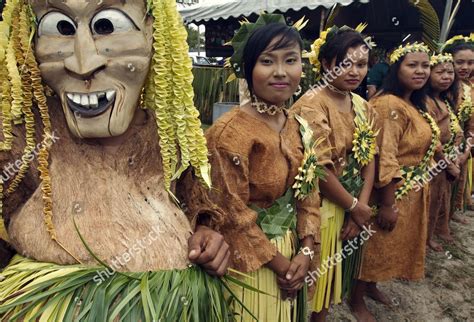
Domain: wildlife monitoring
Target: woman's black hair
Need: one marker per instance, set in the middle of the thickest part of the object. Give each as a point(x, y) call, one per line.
point(454, 49)
point(259, 41)
point(392, 85)
point(451, 94)
point(338, 45)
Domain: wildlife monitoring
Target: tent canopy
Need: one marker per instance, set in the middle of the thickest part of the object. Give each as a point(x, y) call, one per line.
point(236, 8)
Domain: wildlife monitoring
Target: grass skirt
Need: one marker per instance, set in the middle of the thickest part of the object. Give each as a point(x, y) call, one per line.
point(329, 282)
point(33, 291)
point(266, 307)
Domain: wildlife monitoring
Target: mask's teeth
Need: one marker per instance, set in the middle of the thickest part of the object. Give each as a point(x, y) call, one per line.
point(93, 100)
point(77, 99)
point(110, 95)
point(85, 100)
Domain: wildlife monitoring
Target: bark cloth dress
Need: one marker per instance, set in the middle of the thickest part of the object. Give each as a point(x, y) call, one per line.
point(337, 128)
point(440, 185)
point(404, 139)
point(465, 114)
point(252, 165)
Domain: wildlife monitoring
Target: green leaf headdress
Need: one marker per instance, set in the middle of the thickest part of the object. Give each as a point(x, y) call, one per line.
point(243, 34)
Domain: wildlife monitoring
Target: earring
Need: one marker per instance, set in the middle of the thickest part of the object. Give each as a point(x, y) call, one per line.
point(299, 90)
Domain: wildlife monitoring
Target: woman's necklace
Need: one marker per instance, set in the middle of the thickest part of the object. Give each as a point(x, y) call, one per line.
point(337, 90)
point(263, 107)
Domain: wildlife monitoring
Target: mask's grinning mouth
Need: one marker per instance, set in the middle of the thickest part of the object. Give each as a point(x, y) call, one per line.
point(90, 104)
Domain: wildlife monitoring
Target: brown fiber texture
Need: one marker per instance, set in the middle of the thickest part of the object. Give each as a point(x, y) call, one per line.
point(251, 164)
point(117, 196)
point(440, 186)
point(461, 195)
point(329, 122)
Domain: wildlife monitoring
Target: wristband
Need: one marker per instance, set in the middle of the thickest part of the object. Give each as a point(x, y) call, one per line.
point(307, 252)
point(355, 201)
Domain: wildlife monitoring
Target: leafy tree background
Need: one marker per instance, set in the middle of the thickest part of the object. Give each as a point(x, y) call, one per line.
point(193, 35)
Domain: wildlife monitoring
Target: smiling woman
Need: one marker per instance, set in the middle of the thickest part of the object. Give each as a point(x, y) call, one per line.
point(107, 183)
point(266, 208)
point(408, 139)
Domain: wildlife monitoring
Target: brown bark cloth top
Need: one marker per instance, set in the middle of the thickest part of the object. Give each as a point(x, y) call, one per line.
point(440, 186)
point(468, 127)
point(403, 140)
point(328, 121)
point(251, 164)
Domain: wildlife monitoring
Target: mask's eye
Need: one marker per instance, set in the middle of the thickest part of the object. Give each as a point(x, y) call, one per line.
point(110, 21)
point(56, 23)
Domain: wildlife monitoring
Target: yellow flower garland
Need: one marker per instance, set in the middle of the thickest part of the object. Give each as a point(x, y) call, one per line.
point(466, 107)
point(402, 50)
point(306, 181)
point(441, 59)
point(454, 128)
point(413, 175)
point(364, 145)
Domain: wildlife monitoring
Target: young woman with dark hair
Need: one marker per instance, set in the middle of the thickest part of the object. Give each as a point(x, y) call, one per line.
point(462, 49)
point(343, 120)
point(407, 142)
point(255, 154)
point(442, 92)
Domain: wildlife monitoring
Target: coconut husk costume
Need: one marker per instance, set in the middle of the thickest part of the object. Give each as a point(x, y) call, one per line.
point(349, 144)
point(98, 233)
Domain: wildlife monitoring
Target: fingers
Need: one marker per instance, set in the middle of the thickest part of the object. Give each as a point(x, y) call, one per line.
point(292, 270)
point(296, 282)
point(217, 258)
point(222, 269)
point(195, 245)
point(212, 247)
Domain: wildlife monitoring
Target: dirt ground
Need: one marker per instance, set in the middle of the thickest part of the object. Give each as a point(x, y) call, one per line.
point(446, 294)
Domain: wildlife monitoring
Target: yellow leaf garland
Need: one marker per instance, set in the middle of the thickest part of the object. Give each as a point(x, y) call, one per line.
point(413, 175)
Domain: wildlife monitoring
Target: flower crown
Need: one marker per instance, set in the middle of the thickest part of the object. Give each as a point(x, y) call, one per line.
point(456, 41)
point(319, 44)
point(239, 41)
point(402, 50)
point(441, 59)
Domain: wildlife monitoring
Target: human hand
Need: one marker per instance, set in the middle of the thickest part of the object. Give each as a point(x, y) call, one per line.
point(387, 217)
point(208, 249)
point(350, 230)
point(295, 275)
point(361, 214)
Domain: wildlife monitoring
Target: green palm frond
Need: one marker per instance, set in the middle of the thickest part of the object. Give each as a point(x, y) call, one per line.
point(430, 22)
point(35, 291)
point(333, 13)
